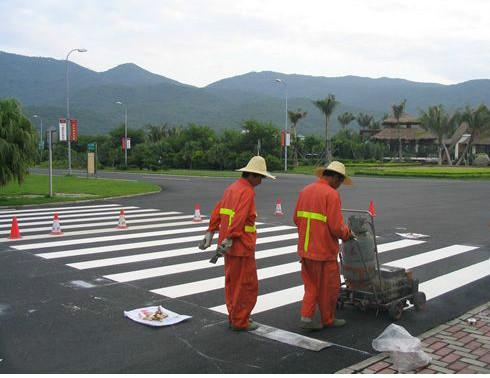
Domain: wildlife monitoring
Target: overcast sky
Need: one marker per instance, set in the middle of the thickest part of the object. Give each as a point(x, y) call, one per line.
point(199, 42)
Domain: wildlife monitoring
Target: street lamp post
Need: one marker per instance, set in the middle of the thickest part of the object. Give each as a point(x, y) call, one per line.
point(36, 116)
point(125, 133)
point(285, 126)
point(68, 126)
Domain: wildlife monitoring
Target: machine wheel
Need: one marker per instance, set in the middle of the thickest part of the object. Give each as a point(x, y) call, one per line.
point(396, 310)
point(419, 301)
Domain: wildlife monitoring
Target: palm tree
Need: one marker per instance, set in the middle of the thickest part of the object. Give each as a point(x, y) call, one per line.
point(294, 118)
point(436, 120)
point(18, 141)
point(345, 119)
point(157, 133)
point(479, 125)
point(327, 106)
point(364, 120)
point(397, 113)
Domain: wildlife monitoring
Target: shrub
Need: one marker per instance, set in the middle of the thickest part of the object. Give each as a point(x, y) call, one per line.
point(481, 160)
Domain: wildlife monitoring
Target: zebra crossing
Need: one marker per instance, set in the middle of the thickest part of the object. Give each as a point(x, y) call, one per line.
point(159, 253)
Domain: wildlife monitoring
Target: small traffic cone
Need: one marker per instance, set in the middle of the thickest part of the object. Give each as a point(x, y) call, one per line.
point(278, 212)
point(14, 230)
point(56, 229)
point(122, 220)
point(372, 210)
point(197, 213)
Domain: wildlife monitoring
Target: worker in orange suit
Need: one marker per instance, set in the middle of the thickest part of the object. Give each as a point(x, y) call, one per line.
point(320, 224)
point(234, 216)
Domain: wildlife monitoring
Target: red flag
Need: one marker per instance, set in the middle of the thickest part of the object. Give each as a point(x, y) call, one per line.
point(372, 210)
point(73, 130)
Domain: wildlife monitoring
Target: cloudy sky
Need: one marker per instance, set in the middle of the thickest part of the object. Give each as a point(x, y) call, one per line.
point(200, 41)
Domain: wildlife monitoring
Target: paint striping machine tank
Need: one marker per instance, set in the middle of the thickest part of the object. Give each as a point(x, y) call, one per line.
point(366, 284)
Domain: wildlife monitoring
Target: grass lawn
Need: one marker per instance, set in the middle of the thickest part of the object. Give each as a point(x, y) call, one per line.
point(35, 189)
point(181, 172)
point(428, 171)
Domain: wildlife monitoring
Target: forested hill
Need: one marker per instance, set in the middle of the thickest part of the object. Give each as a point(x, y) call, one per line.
point(39, 84)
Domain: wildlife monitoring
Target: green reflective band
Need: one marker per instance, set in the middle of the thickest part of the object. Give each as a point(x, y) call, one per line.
point(250, 228)
point(309, 216)
point(229, 212)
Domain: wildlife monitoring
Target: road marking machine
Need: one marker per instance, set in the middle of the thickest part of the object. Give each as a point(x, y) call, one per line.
point(367, 284)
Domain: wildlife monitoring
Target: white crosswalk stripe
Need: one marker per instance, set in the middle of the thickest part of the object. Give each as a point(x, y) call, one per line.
point(131, 216)
point(53, 209)
point(136, 255)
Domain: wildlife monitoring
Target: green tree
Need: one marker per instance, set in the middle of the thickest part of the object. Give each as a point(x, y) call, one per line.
point(294, 118)
point(18, 142)
point(479, 125)
point(397, 113)
point(345, 119)
point(364, 120)
point(436, 120)
point(327, 107)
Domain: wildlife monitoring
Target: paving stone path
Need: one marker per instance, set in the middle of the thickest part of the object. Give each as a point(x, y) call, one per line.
point(459, 346)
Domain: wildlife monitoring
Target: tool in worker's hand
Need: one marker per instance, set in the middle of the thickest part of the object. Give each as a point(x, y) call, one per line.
point(206, 242)
point(221, 250)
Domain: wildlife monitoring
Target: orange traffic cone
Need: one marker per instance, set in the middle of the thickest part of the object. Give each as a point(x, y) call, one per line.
point(14, 230)
point(197, 213)
point(56, 229)
point(278, 212)
point(122, 220)
point(372, 210)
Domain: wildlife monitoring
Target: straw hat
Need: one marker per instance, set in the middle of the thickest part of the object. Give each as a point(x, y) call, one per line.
point(334, 166)
point(257, 165)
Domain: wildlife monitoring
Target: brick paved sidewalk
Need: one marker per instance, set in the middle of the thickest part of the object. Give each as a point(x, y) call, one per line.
point(455, 347)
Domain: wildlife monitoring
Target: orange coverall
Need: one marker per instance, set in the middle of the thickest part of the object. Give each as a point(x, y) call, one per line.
point(320, 224)
point(234, 216)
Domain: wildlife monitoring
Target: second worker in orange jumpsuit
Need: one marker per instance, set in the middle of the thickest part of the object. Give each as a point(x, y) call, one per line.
point(320, 224)
point(234, 216)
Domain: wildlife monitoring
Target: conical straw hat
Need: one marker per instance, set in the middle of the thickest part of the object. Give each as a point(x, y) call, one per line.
point(334, 166)
point(257, 165)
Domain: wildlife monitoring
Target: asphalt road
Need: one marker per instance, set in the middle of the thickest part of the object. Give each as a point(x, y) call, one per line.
point(56, 317)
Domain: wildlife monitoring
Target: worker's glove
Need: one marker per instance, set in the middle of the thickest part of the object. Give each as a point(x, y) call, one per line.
point(206, 242)
point(221, 250)
point(352, 235)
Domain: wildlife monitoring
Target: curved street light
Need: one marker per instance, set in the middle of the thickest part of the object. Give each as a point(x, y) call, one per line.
point(285, 126)
point(125, 133)
point(68, 125)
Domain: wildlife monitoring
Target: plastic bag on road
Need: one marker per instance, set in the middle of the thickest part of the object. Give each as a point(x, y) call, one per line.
point(405, 350)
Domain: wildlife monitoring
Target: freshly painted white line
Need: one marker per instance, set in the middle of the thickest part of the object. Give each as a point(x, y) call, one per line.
point(271, 300)
point(166, 270)
point(173, 253)
point(52, 209)
point(431, 256)
point(454, 280)
point(61, 212)
point(79, 216)
point(219, 282)
point(129, 216)
point(100, 239)
point(122, 236)
point(105, 230)
point(432, 288)
point(398, 244)
point(152, 243)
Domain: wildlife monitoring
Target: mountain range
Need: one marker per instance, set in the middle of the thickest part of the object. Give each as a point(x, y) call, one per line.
point(39, 84)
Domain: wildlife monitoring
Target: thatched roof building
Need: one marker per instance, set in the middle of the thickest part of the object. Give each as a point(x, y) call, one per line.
point(414, 134)
point(405, 119)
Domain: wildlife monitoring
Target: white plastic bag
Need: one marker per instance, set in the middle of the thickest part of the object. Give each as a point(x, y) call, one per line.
point(405, 350)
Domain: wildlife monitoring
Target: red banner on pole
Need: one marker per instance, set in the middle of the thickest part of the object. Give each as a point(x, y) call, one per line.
point(123, 143)
point(73, 130)
point(283, 137)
